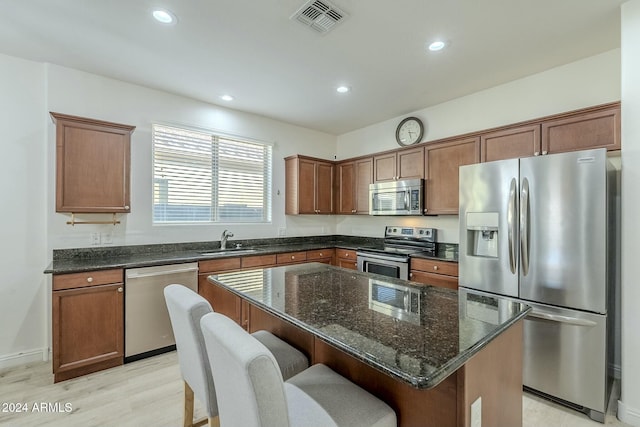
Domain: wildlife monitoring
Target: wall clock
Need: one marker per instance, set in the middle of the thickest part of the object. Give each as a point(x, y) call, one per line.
point(409, 131)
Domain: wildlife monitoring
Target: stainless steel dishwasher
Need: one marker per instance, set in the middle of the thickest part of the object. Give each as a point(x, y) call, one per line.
point(147, 329)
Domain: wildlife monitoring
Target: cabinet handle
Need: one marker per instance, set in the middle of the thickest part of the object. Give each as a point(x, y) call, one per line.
point(120, 289)
point(425, 210)
point(435, 267)
point(346, 255)
point(293, 257)
point(410, 274)
point(544, 153)
point(353, 211)
point(126, 207)
point(536, 153)
point(89, 279)
point(320, 254)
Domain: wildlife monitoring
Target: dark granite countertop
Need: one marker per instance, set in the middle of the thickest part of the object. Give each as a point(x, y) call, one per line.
point(101, 258)
point(347, 309)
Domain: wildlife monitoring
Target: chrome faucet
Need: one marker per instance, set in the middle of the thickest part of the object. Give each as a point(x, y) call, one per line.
point(223, 240)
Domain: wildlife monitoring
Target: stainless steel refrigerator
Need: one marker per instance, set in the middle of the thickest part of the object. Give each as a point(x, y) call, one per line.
point(537, 229)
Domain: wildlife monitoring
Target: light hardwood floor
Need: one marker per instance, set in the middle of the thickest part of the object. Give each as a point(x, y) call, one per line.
point(149, 392)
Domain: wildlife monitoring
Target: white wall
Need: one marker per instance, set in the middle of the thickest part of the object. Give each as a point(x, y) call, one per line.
point(629, 404)
point(88, 95)
point(23, 255)
point(591, 81)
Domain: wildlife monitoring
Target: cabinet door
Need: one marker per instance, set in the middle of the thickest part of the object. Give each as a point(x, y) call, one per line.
point(411, 164)
point(511, 143)
point(88, 329)
point(363, 177)
point(346, 188)
point(442, 163)
point(441, 280)
point(384, 167)
point(583, 131)
point(324, 188)
point(92, 165)
point(306, 186)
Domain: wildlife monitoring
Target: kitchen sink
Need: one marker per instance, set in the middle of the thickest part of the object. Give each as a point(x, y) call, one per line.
point(234, 251)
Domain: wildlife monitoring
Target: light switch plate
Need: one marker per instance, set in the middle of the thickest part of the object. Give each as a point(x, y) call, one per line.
point(476, 413)
point(107, 238)
point(95, 238)
point(282, 232)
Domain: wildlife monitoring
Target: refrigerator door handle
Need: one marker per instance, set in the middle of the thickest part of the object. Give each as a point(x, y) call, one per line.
point(511, 226)
point(524, 226)
point(562, 319)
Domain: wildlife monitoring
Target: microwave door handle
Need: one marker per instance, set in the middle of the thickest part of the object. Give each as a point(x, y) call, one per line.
point(407, 200)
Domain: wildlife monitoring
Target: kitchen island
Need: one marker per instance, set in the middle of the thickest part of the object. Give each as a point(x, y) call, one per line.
point(429, 352)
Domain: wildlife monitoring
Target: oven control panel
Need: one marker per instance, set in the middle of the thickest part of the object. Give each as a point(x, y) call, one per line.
point(410, 233)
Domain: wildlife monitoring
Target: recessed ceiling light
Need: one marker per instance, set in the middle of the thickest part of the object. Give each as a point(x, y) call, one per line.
point(343, 89)
point(436, 46)
point(226, 98)
point(164, 16)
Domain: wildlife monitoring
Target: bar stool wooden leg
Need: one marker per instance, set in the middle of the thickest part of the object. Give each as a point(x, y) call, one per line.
point(188, 406)
point(214, 422)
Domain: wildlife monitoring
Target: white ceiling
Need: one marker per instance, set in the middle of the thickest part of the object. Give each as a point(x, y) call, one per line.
point(278, 68)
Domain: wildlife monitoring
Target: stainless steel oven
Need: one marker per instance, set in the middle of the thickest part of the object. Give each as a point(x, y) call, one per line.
point(392, 258)
point(396, 266)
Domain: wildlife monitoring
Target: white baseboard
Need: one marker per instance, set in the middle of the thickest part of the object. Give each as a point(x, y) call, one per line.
point(24, 357)
point(628, 415)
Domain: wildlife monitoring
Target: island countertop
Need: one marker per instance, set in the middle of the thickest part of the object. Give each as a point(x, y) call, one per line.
point(415, 333)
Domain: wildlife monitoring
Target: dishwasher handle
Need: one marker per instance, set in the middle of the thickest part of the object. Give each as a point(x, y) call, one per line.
point(132, 274)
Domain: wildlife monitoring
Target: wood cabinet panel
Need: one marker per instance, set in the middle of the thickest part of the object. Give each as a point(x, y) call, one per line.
point(93, 162)
point(87, 330)
point(384, 167)
point(222, 300)
point(346, 258)
point(583, 131)
point(435, 266)
point(318, 254)
point(258, 261)
point(449, 282)
point(442, 163)
point(511, 143)
point(353, 186)
point(291, 257)
point(217, 265)
point(85, 279)
point(309, 186)
point(411, 163)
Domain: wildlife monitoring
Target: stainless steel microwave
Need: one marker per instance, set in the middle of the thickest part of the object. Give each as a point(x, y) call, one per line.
point(401, 302)
point(404, 197)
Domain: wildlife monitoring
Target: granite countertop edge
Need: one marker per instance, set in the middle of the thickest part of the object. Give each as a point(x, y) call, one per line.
point(103, 258)
point(418, 382)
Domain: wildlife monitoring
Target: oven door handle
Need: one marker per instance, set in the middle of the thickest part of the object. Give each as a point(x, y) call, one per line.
point(382, 257)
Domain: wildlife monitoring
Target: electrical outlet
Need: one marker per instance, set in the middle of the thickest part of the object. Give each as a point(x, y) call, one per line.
point(282, 232)
point(476, 413)
point(95, 238)
point(107, 238)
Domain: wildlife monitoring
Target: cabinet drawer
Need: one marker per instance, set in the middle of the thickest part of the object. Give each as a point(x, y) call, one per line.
point(215, 265)
point(441, 280)
point(433, 266)
point(89, 278)
point(319, 254)
point(346, 253)
point(290, 257)
point(258, 261)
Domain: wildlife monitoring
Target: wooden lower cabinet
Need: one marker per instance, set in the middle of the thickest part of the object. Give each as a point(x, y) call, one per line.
point(346, 258)
point(434, 272)
point(87, 323)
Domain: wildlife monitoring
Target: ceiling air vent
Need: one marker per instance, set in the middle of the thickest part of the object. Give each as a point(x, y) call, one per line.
point(319, 15)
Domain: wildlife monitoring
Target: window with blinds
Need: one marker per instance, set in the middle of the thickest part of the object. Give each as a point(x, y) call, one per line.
point(201, 177)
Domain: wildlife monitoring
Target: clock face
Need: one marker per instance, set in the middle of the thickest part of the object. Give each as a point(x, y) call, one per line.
point(409, 131)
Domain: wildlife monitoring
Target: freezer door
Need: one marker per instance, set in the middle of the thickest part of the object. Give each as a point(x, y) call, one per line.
point(565, 355)
point(488, 248)
point(563, 230)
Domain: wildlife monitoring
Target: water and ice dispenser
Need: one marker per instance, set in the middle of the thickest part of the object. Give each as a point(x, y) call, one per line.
point(482, 234)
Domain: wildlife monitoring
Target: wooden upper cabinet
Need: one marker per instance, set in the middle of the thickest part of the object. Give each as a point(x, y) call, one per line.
point(401, 164)
point(442, 161)
point(354, 178)
point(308, 186)
point(510, 143)
point(594, 128)
point(93, 162)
